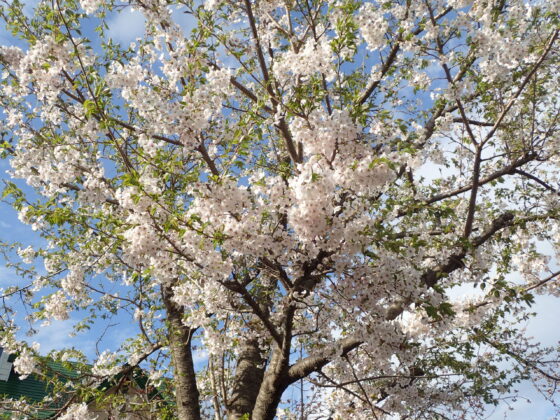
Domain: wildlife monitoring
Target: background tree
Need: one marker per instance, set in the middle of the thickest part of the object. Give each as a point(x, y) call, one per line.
point(328, 195)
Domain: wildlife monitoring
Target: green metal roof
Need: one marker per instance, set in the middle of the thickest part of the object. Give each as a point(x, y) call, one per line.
point(33, 389)
point(29, 388)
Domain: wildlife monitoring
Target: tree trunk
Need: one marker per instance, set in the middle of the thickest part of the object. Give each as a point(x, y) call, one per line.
point(249, 375)
point(273, 386)
point(180, 336)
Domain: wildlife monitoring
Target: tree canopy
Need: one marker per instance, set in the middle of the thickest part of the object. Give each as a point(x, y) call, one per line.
point(351, 202)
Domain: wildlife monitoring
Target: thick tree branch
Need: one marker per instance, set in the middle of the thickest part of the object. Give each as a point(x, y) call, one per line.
point(236, 287)
point(180, 337)
point(544, 281)
point(508, 170)
point(311, 364)
point(455, 261)
point(474, 191)
point(537, 180)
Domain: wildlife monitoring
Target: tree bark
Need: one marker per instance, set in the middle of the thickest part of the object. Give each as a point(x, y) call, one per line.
point(273, 386)
point(180, 336)
point(249, 375)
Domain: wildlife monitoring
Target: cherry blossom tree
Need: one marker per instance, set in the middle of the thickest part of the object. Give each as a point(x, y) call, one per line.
point(351, 202)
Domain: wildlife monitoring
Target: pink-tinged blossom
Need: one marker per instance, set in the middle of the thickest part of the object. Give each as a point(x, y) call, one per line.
point(106, 364)
point(25, 364)
point(276, 185)
point(372, 25)
point(314, 58)
point(78, 411)
point(56, 307)
point(27, 254)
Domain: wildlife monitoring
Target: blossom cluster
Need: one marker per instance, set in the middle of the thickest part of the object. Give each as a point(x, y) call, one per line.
point(255, 182)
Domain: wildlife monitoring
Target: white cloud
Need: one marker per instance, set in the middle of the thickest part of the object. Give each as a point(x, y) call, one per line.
point(57, 336)
point(126, 26)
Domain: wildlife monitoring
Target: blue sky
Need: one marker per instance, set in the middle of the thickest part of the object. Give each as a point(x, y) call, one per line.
point(125, 27)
